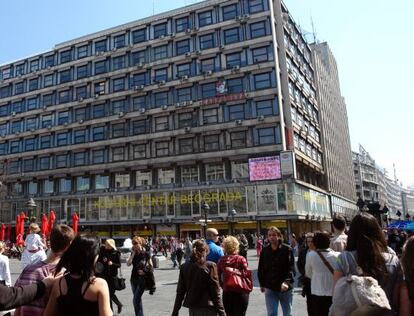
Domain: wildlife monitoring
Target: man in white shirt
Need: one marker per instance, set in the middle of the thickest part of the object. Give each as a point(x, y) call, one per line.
point(339, 240)
point(4, 266)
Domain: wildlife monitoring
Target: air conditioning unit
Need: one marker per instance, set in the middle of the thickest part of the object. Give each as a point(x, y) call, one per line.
point(209, 73)
point(3, 135)
point(80, 121)
point(161, 36)
point(140, 65)
point(49, 67)
point(65, 124)
point(261, 118)
point(17, 132)
point(142, 110)
point(13, 113)
point(49, 127)
point(195, 29)
point(114, 49)
point(246, 16)
point(239, 18)
point(164, 107)
point(101, 53)
point(97, 53)
point(121, 114)
point(221, 47)
point(19, 75)
point(161, 82)
point(190, 102)
point(184, 78)
point(172, 35)
point(178, 104)
point(184, 103)
point(80, 99)
point(239, 122)
point(188, 30)
point(236, 68)
point(32, 129)
point(187, 129)
point(188, 54)
point(198, 52)
point(96, 95)
point(235, 181)
point(44, 108)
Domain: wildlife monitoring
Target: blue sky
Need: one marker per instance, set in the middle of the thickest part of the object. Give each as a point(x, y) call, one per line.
point(372, 41)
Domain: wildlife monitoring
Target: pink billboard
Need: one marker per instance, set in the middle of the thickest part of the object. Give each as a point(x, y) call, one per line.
point(264, 168)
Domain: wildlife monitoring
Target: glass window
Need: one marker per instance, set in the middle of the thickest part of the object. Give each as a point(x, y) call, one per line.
point(235, 85)
point(65, 56)
point(139, 79)
point(186, 145)
point(122, 180)
point(14, 146)
point(61, 161)
point(160, 30)
point(3, 129)
point(210, 116)
point(4, 111)
point(82, 72)
point(119, 41)
point(118, 84)
point(79, 136)
point(49, 61)
point(100, 88)
point(208, 90)
point(239, 169)
point(160, 75)
point(260, 54)
point(79, 159)
point(44, 163)
point(83, 51)
point(266, 108)
point(140, 151)
point(19, 88)
point(65, 96)
point(65, 76)
point(162, 149)
point(238, 139)
point(186, 120)
point(143, 178)
point(28, 165)
point(45, 141)
point(236, 112)
point(118, 130)
point(17, 107)
point(19, 70)
point(32, 187)
point(99, 110)
point(184, 94)
point(118, 106)
point(139, 103)
point(214, 172)
point(48, 99)
point(80, 114)
point(82, 183)
point(5, 91)
point(231, 36)
point(100, 46)
point(139, 127)
point(211, 142)
point(118, 62)
point(160, 99)
point(31, 124)
point(98, 156)
point(207, 41)
point(100, 67)
point(138, 57)
point(182, 24)
point(257, 29)
point(32, 104)
point(48, 81)
point(229, 12)
point(48, 186)
point(34, 65)
point(161, 123)
point(101, 182)
point(205, 18)
point(33, 84)
point(160, 52)
point(183, 70)
point(182, 47)
point(166, 176)
point(262, 81)
point(62, 139)
point(189, 174)
point(233, 60)
point(99, 133)
point(138, 36)
point(256, 6)
point(268, 135)
point(30, 144)
point(16, 126)
point(14, 167)
point(65, 185)
point(81, 93)
point(118, 154)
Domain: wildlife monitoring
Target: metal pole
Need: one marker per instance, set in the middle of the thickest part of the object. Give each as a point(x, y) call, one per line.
point(205, 223)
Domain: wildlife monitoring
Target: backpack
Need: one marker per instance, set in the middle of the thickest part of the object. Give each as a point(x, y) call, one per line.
point(358, 295)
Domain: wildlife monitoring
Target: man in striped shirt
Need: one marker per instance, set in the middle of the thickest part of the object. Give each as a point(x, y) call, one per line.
point(60, 238)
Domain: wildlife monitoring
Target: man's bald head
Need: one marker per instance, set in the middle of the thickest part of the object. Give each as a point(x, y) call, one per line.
point(212, 234)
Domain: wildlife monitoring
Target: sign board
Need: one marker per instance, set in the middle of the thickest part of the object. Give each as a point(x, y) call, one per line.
point(287, 165)
point(264, 168)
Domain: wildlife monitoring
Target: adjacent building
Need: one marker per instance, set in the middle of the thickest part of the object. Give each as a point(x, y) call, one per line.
point(137, 128)
point(336, 142)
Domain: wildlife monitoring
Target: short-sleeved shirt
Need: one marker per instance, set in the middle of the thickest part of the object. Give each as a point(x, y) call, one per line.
point(215, 252)
point(32, 274)
point(347, 264)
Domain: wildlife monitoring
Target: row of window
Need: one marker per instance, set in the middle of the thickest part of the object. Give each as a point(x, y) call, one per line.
point(162, 176)
point(305, 125)
point(240, 139)
point(251, 82)
point(176, 25)
point(307, 148)
point(246, 110)
point(190, 68)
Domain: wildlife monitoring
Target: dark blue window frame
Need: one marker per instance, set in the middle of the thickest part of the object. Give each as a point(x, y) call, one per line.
point(118, 62)
point(160, 30)
point(119, 41)
point(207, 41)
point(262, 81)
point(82, 72)
point(66, 56)
point(182, 47)
point(101, 46)
point(258, 29)
point(182, 24)
point(99, 110)
point(183, 70)
point(82, 51)
point(65, 76)
point(233, 60)
point(232, 35)
point(205, 18)
point(100, 67)
point(139, 36)
point(256, 6)
point(118, 84)
point(229, 12)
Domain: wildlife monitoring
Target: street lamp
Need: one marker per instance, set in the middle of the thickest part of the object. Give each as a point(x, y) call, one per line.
point(31, 204)
point(233, 213)
point(206, 209)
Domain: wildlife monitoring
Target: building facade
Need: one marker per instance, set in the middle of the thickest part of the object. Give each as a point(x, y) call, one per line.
point(137, 127)
point(336, 141)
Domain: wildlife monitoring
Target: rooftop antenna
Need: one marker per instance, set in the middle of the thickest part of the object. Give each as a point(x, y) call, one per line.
point(395, 173)
point(313, 30)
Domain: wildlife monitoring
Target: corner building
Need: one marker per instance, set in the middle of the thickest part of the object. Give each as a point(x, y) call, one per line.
point(136, 127)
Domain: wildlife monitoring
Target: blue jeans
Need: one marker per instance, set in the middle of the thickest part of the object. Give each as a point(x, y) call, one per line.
point(273, 298)
point(138, 287)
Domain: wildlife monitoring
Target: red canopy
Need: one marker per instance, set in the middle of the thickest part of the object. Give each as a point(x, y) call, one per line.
point(17, 224)
point(8, 232)
point(22, 220)
point(2, 230)
point(52, 218)
point(75, 220)
point(44, 223)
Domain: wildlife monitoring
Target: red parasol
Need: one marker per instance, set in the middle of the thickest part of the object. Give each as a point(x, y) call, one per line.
point(2, 230)
point(17, 224)
point(52, 218)
point(44, 225)
point(22, 220)
point(8, 232)
point(75, 220)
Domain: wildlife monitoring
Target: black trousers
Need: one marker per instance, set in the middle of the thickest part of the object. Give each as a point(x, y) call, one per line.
point(113, 297)
point(235, 304)
point(321, 304)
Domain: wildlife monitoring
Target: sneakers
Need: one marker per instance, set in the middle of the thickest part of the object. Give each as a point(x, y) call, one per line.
point(152, 290)
point(120, 308)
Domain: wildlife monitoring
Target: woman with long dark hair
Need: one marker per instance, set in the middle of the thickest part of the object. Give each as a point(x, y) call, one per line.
point(367, 254)
point(407, 288)
point(198, 285)
point(79, 292)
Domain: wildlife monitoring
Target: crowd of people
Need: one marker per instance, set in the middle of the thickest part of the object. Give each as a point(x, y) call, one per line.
point(362, 270)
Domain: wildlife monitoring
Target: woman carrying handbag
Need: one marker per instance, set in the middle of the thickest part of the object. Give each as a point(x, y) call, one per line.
point(235, 278)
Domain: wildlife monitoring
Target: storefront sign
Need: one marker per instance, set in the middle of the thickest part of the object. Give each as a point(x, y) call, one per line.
point(264, 168)
point(224, 98)
point(277, 223)
point(287, 165)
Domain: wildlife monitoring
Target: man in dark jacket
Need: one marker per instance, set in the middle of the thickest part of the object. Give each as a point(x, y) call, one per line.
point(276, 273)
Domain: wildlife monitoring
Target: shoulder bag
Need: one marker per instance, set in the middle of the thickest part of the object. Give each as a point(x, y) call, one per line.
point(119, 282)
point(327, 264)
point(237, 279)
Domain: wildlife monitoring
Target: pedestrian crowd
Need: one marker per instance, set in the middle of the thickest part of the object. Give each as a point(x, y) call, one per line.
point(362, 270)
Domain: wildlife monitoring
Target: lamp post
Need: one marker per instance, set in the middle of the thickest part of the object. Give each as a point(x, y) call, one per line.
point(206, 209)
point(31, 204)
point(233, 213)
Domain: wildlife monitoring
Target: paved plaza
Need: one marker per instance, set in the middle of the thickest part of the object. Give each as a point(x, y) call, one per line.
point(161, 303)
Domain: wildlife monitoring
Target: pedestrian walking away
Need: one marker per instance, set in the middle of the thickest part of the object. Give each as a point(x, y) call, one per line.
point(35, 248)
